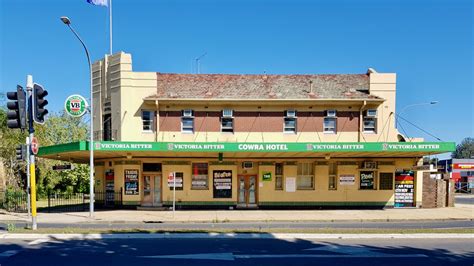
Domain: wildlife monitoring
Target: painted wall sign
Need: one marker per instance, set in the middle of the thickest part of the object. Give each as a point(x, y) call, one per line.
point(404, 188)
point(275, 147)
point(131, 181)
point(367, 179)
point(267, 176)
point(290, 184)
point(222, 180)
point(345, 180)
point(75, 105)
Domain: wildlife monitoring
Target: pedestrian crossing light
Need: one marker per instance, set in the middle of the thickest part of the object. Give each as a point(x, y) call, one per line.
point(20, 152)
point(16, 115)
point(39, 103)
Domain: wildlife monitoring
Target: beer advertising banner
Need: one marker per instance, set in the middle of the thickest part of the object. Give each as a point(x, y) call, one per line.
point(404, 188)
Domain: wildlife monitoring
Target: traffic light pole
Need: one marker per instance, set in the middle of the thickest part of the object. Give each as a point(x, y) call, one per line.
point(29, 90)
point(28, 188)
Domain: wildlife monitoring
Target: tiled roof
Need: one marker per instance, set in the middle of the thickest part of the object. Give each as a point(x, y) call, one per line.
point(224, 86)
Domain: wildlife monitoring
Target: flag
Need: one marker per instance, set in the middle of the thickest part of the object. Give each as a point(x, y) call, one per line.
point(98, 2)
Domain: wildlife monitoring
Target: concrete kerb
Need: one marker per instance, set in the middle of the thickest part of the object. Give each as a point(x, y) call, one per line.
point(286, 236)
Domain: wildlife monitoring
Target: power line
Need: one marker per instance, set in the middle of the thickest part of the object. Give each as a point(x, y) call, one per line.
point(419, 128)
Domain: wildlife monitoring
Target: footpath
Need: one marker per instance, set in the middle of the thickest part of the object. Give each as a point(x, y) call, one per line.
point(460, 212)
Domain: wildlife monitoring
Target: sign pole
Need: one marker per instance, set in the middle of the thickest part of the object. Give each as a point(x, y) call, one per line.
point(174, 193)
point(29, 89)
point(28, 188)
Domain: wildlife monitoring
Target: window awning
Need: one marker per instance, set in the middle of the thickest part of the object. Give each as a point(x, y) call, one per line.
point(79, 151)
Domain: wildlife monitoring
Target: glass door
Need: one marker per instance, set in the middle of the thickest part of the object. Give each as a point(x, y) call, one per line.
point(247, 191)
point(157, 191)
point(147, 190)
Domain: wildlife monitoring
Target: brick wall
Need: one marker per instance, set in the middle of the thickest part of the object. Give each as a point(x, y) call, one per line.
point(437, 193)
point(258, 121)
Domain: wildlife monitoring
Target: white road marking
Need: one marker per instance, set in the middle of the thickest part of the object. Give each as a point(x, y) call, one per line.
point(231, 256)
point(9, 253)
point(38, 241)
point(234, 236)
point(201, 256)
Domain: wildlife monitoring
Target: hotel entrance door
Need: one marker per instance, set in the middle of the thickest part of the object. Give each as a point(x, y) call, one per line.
point(247, 191)
point(151, 190)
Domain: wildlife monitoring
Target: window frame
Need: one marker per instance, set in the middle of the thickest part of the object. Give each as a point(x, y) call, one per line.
point(332, 174)
point(193, 176)
point(187, 129)
point(311, 174)
point(380, 181)
point(370, 118)
point(231, 129)
point(151, 121)
point(277, 176)
point(335, 125)
point(290, 118)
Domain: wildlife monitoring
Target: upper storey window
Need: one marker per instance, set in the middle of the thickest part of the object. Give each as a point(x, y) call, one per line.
point(370, 121)
point(330, 122)
point(227, 121)
point(290, 121)
point(147, 120)
point(187, 121)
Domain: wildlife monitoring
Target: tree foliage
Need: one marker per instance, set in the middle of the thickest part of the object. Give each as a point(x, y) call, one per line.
point(464, 150)
point(58, 128)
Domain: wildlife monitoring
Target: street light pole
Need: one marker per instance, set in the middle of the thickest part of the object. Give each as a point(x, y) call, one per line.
point(411, 105)
point(67, 21)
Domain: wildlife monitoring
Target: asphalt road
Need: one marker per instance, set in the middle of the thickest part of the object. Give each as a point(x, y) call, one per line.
point(464, 199)
point(211, 251)
point(262, 225)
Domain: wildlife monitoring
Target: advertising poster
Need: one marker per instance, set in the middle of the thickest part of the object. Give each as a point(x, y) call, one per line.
point(131, 181)
point(366, 179)
point(290, 184)
point(222, 183)
point(404, 188)
point(345, 180)
point(179, 180)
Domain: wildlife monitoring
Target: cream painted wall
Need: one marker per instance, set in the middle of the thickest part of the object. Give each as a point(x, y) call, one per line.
point(188, 194)
point(128, 89)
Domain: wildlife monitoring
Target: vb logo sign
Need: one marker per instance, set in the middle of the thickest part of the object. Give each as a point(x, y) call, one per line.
point(75, 105)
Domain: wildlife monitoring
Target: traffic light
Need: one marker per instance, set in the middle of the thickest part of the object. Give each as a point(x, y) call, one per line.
point(16, 116)
point(39, 103)
point(20, 153)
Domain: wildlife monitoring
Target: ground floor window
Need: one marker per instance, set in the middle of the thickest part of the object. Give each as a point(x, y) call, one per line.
point(199, 178)
point(179, 176)
point(279, 176)
point(367, 180)
point(386, 181)
point(305, 176)
point(332, 171)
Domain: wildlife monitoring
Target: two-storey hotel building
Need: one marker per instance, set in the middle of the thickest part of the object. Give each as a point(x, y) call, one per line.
point(249, 141)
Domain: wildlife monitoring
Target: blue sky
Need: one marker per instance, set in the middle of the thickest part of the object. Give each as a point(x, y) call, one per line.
point(429, 44)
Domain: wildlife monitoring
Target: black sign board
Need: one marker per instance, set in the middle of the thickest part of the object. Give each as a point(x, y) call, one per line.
point(63, 167)
point(367, 179)
point(222, 183)
point(131, 182)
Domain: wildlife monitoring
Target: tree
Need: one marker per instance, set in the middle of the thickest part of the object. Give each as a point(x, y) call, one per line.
point(58, 128)
point(464, 150)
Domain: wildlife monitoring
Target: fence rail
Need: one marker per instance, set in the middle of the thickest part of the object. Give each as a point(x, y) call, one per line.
point(464, 187)
point(16, 201)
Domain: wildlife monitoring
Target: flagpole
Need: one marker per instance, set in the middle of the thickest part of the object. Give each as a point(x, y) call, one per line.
point(110, 26)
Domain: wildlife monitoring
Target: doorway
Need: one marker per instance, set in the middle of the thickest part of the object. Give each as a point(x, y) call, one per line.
point(151, 190)
point(247, 197)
